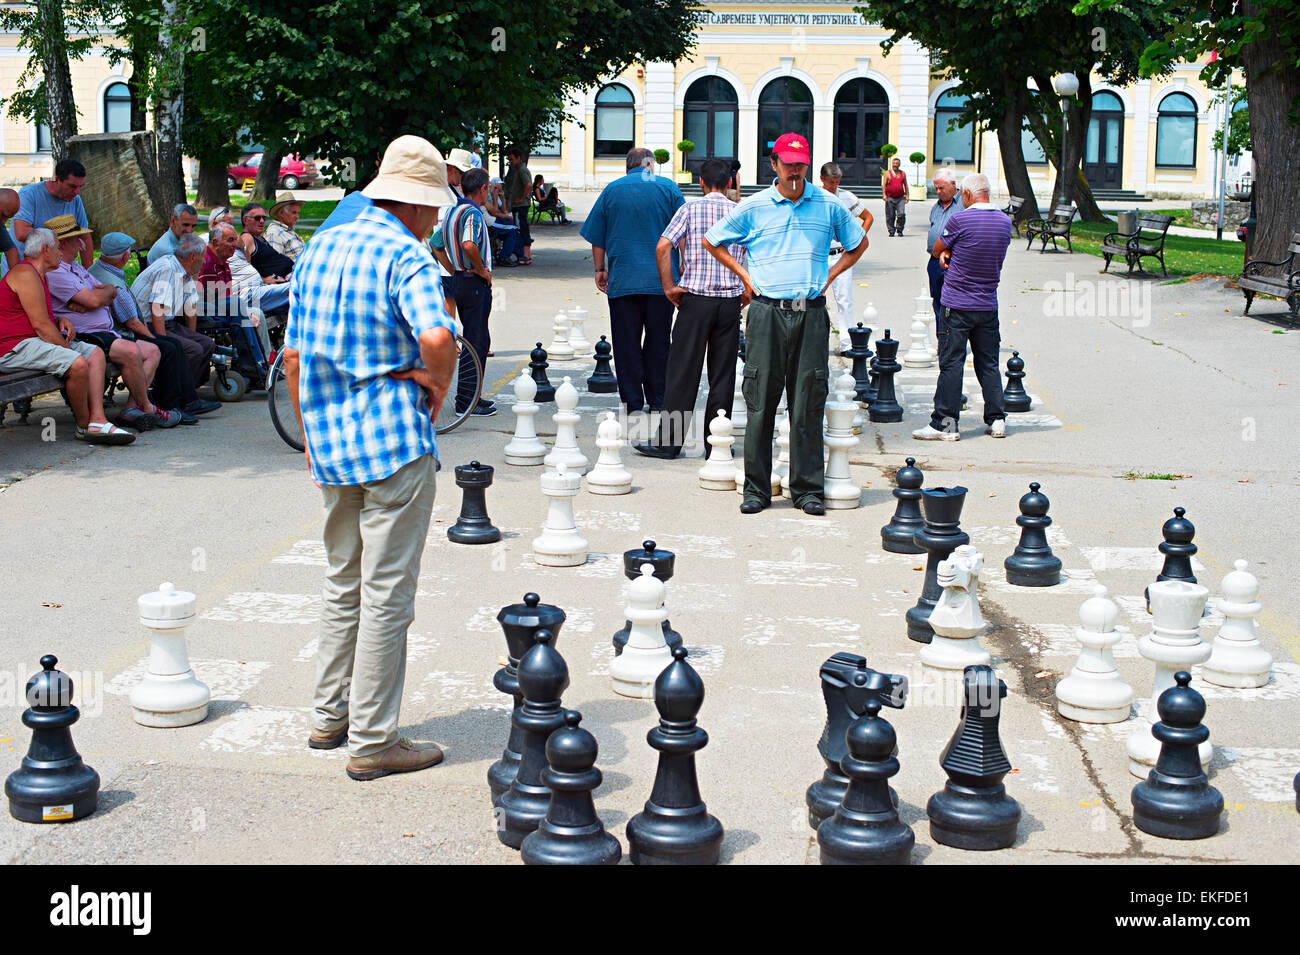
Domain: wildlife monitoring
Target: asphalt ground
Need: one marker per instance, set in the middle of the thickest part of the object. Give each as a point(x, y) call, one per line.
point(1129, 377)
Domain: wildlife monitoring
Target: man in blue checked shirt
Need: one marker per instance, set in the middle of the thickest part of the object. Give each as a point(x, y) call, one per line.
point(787, 231)
point(369, 356)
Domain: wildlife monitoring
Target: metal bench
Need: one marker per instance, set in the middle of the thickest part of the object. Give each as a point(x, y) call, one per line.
point(1274, 278)
point(1134, 246)
point(1056, 226)
point(1012, 209)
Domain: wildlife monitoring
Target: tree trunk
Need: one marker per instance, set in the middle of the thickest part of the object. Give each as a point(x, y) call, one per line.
point(1010, 146)
point(1089, 211)
point(1271, 87)
point(268, 174)
point(169, 111)
point(60, 108)
point(213, 189)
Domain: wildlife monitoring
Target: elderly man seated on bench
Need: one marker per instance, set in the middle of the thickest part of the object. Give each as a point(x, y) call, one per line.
point(268, 293)
point(83, 300)
point(173, 383)
point(166, 293)
point(30, 341)
point(220, 300)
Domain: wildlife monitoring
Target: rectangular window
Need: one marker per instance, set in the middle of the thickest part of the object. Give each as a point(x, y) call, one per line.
point(1176, 141)
point(549, 144)
point(1032, 149)
point(957, 144)
point(43, 138)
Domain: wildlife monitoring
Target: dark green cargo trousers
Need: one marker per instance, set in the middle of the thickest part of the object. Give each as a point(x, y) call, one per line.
point(785, 349)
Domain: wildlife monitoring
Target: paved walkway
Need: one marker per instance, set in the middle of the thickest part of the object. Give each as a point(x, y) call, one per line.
point(1128, 377)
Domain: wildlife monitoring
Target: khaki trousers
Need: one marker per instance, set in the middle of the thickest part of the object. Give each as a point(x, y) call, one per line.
point(374, 538)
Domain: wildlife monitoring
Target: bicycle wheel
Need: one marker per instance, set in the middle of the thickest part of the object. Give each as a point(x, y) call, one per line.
point(465, 391)
point(277, 398)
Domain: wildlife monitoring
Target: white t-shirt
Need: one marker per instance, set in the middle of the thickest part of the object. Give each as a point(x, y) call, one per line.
point(850, 202)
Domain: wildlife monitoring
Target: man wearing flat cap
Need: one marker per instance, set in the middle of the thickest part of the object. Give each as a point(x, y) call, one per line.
point(369, 357)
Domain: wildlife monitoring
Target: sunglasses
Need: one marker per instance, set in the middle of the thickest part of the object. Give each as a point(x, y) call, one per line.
point(258, 218)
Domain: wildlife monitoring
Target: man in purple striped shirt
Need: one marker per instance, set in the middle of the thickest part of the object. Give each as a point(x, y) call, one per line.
point(709, 298)
point(971, 249)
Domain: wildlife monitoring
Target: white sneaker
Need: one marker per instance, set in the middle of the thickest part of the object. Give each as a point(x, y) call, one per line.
point(930, 434)
point(998, 429)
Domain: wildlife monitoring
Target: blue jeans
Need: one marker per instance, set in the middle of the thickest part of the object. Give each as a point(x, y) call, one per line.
point(981, 330)
point(511, 243)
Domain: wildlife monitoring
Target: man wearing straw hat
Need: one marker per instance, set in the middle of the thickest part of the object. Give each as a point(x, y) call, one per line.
point(369, 358)
point(279, 228)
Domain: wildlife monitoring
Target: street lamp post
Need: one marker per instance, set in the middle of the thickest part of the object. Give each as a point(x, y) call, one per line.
point(1066, 85)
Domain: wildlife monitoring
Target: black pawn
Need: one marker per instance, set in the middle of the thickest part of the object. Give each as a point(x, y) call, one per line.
point(939, 536)
point(847, 686)
point(473, 526)
point(675, 827)
point(1177, 801)
point(1014, 396)
point(602, 380)
point(53, 784)
point(543, 676)
point(539, 364)
point(571, 833)
point(520, 623)
point(898, 536)
point(973, 810)
point(1032, 563)
point(1178, 548)
point(861, 355)
point(865, 829)
point(662, 561)
point(885, 406)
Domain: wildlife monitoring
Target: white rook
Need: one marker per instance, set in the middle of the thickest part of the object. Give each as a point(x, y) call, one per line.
point(1094, 691)
point(1173, 644)
point(169, 694)
point(577, 331)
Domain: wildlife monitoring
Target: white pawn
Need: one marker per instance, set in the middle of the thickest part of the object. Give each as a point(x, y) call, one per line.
point(169, 694)
point(565, 449)
point(918, 353)
point(1237, 658)
point(560, 544)
point(781, 470)
point(1174, 644)
point(577, 332)
point(560, 349)
point(925, 312)
point(719, 471)
point(1094, 691)
point(634, 671)
point(525, 448)
point(838, 490)
point(956, 618)
point(609, 476)
point(739, 411)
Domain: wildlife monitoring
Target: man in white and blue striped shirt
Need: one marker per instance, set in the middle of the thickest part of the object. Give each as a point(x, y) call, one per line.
point(369, 357)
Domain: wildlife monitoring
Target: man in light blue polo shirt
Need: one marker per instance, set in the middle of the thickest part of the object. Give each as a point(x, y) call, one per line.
point(623, 228)
point(787, 232)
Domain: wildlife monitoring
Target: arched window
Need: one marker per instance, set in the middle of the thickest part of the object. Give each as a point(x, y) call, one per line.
point(117, 109)
point(709, 120)
point(958, 143)
point(1176, 131)
point(615, 121)
point(784, 106)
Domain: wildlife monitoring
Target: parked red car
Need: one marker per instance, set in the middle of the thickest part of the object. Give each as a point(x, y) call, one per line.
point(295, 173)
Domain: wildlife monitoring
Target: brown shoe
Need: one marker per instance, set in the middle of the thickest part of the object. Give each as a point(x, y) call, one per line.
point(320, 739)
point(402, 757)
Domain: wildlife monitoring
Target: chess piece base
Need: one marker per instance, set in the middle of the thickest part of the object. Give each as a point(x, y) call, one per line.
point(854, 838)
point(622, 487)
point(1092, 714)
point(954, 653)
point(59, 791)
point(558, 556)
point(526, 457)
point(520, 811)
point(1172, 809)
point(657, 836)
point(968, 817)
point(719, 481)
point(569, 845)
point(1094, 698)
point(177, 699)
point(1032, 571)
point(473, 532)
point(634, 671)
point(501, 774)
point(1236, 665)
point(1016, 403)
point(841, 495)
point(900, 541)
point(918, 623)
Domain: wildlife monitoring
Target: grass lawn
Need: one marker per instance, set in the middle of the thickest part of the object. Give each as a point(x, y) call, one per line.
point(1182, 217)
point(1184, 255)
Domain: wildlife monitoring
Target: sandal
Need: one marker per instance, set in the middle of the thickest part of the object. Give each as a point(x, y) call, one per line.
point(527, 261)
point(104, 433)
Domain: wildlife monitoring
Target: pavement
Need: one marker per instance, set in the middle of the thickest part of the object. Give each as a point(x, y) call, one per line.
point(1129, 378)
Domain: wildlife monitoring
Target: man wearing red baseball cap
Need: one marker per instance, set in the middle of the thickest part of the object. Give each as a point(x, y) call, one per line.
point(787, 232)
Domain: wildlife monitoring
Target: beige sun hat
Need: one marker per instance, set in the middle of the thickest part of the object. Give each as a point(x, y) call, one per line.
point(460, 158)
point(412, 171)
point(282, 200)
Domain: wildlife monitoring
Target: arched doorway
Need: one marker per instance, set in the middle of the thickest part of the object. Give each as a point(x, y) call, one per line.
point(784, 106)
point(861, 126)
point(709, 121)
point(1102, 165)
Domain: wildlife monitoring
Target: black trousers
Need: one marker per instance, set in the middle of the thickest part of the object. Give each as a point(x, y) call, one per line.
point(641, 327)
point(520, 214)
point(173, 383)
point(473, 306)
point(704, 325)
point(980, 329)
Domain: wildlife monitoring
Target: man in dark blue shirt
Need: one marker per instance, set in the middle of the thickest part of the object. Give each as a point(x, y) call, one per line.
point(623, 228)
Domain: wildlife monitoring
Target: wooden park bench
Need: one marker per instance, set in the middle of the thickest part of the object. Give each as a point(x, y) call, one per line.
point(1274, 278)
point(1056, 226)
point(1134, 246)
point(18, 388)
point(1012, 209)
